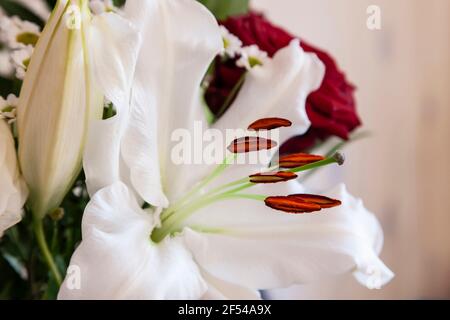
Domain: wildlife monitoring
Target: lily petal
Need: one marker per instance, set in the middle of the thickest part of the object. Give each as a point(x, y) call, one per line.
point(247, 244)
point(113, 48)
point(277, 89)
point(101, 160)
point(179, 40)
point(13, 191)
point(117, 260)
point(114, 44)
point(222, 290)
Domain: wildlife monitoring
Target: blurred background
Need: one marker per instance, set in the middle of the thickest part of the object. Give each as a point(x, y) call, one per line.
point(403, 77)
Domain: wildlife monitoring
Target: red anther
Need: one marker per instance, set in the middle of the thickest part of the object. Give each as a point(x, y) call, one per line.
point(291, 205)
point(281, 176)
point(298, 160)
point(269, 124)
point(323, 202)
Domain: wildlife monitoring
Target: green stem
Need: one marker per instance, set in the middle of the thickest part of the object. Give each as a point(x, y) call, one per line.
point(339, 146)
point(256, 197)
point(38, 227)
point(216, 173)
point(314, 165)
point(229, 185)
point(172, 224)
point(171, 221)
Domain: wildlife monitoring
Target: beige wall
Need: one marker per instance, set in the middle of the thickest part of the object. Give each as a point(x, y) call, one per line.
point(402, 172)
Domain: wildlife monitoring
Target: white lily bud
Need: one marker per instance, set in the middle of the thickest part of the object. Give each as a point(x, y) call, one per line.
point(62, 94)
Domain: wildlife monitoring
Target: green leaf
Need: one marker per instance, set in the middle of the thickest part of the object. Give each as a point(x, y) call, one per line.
point(223, 9)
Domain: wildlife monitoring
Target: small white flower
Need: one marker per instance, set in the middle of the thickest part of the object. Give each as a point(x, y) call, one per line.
point(17, 33)
point(8, 108)
point(21, 59)
point(232, 44)
point(101, 6)
point(6, 67)
point(252, 56)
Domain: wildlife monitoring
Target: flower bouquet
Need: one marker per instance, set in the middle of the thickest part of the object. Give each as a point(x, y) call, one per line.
point(157, 149)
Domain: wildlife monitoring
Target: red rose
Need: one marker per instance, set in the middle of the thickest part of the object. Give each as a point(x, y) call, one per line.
point(331, 109)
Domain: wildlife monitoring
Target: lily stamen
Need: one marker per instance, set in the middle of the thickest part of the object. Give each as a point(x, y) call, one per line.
point(173, 217)
point(281, 176)
point(298, 160)
point(251, 144)
point(302, 203)
point(291, 205)
point(269, 124)
point(323, 202)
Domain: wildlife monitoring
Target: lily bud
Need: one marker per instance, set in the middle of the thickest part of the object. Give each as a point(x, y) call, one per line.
point(62, 93)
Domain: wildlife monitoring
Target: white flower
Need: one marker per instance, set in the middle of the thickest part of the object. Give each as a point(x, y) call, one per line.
point(17, 33)
point(232, 44)
point(8, 108)
point(197, 242)
point(77, 61)
point(252, 56)
point(102, 6)
point(21, 59)
point(13, 192)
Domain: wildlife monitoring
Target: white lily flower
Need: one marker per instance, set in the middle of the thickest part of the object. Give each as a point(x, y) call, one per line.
point(77, 61)
point(13, 191)
point(192, 244)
